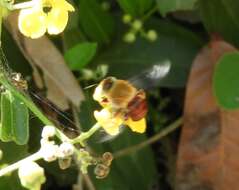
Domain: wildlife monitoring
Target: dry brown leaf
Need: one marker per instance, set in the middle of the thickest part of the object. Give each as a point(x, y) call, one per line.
point(209, 148)
point(55, 95)
point(42, 53)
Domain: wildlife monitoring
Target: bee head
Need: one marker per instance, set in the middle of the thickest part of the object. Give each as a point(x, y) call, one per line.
point(108, 83)
point(102, 89)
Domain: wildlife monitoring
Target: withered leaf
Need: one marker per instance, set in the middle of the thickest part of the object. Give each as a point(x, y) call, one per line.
point(43, 54)
point(209, 146)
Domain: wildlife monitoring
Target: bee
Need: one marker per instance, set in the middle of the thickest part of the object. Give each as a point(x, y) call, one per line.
point(122, 97)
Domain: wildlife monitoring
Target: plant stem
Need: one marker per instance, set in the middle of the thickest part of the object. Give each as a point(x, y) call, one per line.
point(85, 135)
point(30, 105)
point(149, 13)
point(151, 140)
point(15, 166)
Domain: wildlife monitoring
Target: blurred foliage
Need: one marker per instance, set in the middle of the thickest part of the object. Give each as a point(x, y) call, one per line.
point(94, 37)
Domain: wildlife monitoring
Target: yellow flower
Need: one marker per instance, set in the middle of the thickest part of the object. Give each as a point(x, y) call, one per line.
point(112, 123)
point(34, 22)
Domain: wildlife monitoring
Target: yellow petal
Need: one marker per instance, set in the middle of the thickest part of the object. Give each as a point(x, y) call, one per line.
point(56, 20)
point(98, 93)
point(137, 126)
point(62, 4)
point(110, 124)
point(32, 22)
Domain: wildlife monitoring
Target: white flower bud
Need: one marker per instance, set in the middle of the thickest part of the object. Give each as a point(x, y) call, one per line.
point(49, 152)
point(65, 150)
point(152, 35)
point(46, 141)
point(126, 18)
point(31, 175)
point(129, 37)
point(48, 131)
point(137, 24)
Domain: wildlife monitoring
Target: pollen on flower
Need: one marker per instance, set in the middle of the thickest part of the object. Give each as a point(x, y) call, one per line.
point(34, 22)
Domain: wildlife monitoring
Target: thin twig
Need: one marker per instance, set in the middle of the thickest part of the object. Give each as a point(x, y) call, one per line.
point(89, 182)
point(149, 13)
point(15, 166)
point(151, 140)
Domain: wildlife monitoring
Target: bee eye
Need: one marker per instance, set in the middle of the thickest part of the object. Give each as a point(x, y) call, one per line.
point(108, 83)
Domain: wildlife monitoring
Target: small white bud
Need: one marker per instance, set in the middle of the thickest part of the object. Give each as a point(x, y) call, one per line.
point(46, 141)
point(65, 150)
point(31, 175)
point(48, 131)
point(49, 152)
point(152, 35)
point(137, 24)
point(87, 74)
point(129, 37)
point(126, 18)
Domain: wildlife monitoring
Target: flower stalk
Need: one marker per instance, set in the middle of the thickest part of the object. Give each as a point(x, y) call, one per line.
point(16, 165)
point(85, 135)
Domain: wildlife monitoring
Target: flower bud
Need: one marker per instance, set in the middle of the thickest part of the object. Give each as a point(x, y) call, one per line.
point(64, 163)
point(107, 158)
point(152, 35)
point(137, 25)
point(31, 175)
point(48, 131)
point(101, 171)
point(126, 19)
point(129, 37)
point(65, 150)
point(87, 74)
point(49, 152)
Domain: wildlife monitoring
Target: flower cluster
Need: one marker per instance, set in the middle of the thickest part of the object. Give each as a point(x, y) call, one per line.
point(44, 16)
point(136, 26)
point(51, 151)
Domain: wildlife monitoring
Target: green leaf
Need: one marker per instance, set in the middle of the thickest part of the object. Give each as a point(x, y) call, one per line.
point(97, 24)
point(20, 121)
point(80, 55)
point(135, 7)
point(14, 119)
point(221, 17)
point(166, 6)
point(175, 46)
point(6, 133)
point(226, 80)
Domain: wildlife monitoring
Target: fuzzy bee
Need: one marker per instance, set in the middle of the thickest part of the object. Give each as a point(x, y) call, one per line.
point(122, 97)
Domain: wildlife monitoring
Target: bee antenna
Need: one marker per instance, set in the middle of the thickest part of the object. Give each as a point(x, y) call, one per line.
point(90, 86)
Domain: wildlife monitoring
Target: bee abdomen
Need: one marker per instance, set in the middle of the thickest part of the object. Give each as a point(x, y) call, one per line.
point(137, 108)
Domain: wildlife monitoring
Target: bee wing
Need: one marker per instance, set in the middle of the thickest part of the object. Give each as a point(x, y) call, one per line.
point(152, 77)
